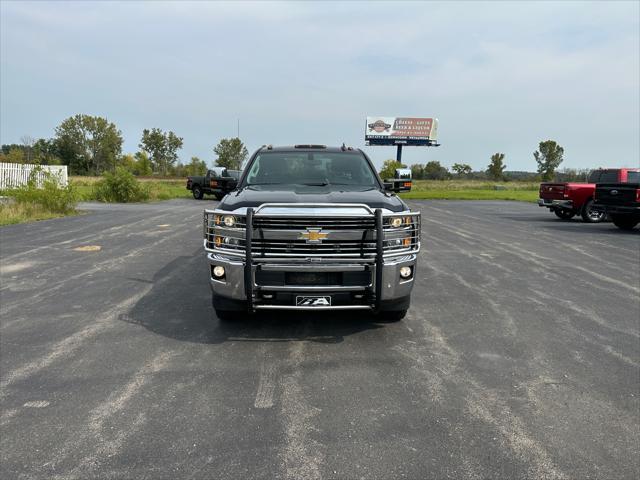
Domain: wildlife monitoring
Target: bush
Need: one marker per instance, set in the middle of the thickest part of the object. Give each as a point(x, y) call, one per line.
point(50, 196)
point(120, 186)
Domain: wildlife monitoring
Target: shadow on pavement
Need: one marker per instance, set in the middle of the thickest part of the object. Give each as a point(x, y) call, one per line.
point(573, 225)
point(592, 229)
point(541, 219)
point(178, 306)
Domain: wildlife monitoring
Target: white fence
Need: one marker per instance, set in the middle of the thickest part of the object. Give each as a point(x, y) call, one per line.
point(17, 174)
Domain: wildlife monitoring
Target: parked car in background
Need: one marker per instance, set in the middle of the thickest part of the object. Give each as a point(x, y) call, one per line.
point(217, 182)
point(621, 201)
point(568, 199)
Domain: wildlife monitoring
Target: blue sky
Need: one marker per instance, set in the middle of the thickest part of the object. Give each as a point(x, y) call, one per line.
point(499, 76)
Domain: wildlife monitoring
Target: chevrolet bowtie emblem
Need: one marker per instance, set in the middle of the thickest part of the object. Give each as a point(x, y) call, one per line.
point(313, 235)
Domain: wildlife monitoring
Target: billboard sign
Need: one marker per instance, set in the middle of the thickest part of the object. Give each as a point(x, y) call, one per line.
point(401, 131)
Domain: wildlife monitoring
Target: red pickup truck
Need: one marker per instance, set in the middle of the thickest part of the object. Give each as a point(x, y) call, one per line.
point(568, 199)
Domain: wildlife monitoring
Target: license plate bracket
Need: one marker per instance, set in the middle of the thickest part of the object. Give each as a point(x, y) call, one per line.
point(313, 301)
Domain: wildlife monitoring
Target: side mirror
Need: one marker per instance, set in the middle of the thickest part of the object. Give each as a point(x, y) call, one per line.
point(401, 181)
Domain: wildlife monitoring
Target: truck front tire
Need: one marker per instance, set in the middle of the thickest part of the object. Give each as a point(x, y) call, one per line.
point(197, 192)
point(624, 222)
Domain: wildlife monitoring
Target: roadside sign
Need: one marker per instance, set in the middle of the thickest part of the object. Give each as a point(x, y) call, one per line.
point(418, 131)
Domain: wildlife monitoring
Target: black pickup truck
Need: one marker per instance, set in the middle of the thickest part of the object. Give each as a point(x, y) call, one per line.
point(621, 201)
point(312, 227)
point(217, 182)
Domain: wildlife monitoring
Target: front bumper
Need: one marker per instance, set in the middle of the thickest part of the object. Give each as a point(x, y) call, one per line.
point(283, 296)
point(545, 202)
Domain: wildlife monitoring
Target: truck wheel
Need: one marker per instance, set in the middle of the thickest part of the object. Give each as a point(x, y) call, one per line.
point(197, 192)
point(392, 315)
point(590, 215)
point(624, 222)
point(564, 214)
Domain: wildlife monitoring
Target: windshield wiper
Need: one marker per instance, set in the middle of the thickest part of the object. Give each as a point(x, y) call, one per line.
point(264, 183)
point(317, 184)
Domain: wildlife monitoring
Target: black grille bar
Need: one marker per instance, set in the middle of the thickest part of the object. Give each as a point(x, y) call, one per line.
point(379, 257)
point(248, 266)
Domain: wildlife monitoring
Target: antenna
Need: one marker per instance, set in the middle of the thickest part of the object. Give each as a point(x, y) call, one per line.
point(238, 128)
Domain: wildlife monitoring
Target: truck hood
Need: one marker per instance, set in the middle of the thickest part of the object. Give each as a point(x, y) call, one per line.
point(254, 196)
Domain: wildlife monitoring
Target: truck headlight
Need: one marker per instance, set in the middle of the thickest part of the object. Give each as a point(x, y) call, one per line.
point(229, 220)
point(230, 241)
point(396, 222)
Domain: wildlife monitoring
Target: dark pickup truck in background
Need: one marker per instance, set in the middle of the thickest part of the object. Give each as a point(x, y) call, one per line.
point(567, 199)
point(621, 201)
point(217, 182)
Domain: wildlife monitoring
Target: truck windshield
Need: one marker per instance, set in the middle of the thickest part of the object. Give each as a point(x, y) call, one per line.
point(311, 168)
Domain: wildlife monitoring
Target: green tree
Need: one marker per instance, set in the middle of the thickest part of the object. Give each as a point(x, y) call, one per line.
point(572, 175)
point(196, 167)
point(45, 152)
point(88, 144)
point(548, 157)
point(231, 153)
point(128, 162)
point(28, 142)
point(434, 171)
point(495, 169)
point(177, 170)
point(13, 155)
point(389, 168)
point(417, 171)
point(7, 147)
point(461, 169)
point(143, 165)
point(162, 148)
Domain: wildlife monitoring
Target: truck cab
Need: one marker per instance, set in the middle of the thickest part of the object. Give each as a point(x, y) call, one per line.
point(312, 227)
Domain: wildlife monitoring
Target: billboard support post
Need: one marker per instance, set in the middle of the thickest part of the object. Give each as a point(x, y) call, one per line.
point(399, 154)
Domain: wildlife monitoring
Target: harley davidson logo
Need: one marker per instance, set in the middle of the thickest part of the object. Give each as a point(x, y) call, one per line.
point(313, 235)
point(379, 126)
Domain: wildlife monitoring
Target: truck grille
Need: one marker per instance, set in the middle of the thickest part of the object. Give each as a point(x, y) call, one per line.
point(301, 223)
point(350, 236)
point(295, 236)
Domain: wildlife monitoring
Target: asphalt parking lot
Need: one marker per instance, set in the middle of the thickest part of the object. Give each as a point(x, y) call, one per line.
point(520, 357)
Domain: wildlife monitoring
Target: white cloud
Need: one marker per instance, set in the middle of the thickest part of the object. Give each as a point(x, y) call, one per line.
point(500, 76)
